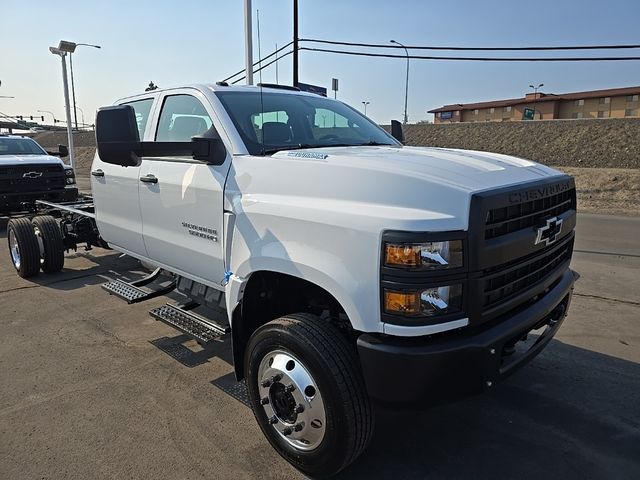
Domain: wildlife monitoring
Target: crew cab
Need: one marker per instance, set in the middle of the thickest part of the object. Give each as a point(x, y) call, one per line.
point(353, 269)
point(29, 173)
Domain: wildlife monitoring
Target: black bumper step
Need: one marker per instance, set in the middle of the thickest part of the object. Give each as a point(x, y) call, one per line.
point(189, 323)
point(131, 291)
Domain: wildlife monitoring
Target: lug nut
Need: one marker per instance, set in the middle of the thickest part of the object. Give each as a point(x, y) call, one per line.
point(300, 408)
point(289, 388)
point(276, 378)
point(489, 383)
point(273, 420)
point(287, 431)
point(266, 383)
point(298, 427)
point(264, 401)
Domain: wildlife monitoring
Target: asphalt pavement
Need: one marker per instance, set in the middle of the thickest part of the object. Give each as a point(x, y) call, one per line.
point(94, 388)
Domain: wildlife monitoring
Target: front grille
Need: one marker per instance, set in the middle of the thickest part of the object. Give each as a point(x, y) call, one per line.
point(508, 280)
point(504, 220)
point(12, 179)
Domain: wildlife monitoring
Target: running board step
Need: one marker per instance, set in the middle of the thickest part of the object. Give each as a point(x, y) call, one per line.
point(131, 291)
point(192, 324)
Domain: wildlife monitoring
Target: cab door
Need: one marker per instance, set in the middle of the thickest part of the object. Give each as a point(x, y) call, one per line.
point(115, 193)
point(182, 199)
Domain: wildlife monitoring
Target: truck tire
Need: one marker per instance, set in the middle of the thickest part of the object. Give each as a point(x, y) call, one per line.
point(307, 393)
point(47, 229)
point(23, 247)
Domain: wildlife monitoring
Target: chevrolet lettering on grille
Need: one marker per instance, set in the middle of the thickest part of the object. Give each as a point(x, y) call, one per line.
point(32, 175)
point(550, 232)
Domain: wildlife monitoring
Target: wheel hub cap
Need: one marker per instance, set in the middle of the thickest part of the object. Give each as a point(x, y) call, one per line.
point(15, 250)
point(291, 400)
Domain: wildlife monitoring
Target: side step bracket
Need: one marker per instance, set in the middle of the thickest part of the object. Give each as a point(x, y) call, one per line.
point(131, 292)
point(190, 323)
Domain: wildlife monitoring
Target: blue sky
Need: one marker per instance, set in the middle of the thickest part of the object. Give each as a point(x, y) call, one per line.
point(192, 41)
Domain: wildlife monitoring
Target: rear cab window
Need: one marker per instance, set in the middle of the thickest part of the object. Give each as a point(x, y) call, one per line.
point(142, 109)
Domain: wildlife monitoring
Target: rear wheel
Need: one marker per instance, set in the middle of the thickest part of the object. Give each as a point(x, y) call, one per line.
point(307, 393)
point(23, 247)
point(49, 235)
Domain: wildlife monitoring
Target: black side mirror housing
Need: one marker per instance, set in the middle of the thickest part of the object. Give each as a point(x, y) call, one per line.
point(63, 151)
point(117, 135)
point(119, 143)
point(396, 131)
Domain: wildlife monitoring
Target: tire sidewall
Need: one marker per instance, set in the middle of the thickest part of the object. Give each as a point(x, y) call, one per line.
point(275, 337)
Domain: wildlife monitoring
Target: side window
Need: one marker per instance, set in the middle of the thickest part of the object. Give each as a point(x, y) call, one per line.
point(182, 117)
point(141, 109)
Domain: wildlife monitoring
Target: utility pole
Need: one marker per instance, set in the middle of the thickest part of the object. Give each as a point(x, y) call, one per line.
point(295, 43)
point(67, 106)
point(248, 42)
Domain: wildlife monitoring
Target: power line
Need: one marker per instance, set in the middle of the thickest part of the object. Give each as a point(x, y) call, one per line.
point(264, 66)
point(415, 47)
point(258, 62)
point(477, 59)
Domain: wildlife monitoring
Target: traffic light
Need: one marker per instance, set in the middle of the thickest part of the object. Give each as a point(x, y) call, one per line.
point(31, 117)
point(42, 117)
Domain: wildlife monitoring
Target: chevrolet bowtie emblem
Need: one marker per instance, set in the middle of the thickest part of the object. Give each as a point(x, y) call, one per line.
point(550, 232)
point(32, 175)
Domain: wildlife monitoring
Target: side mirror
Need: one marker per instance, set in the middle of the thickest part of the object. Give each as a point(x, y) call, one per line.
point(117, 135)
point(396, 131)
point(119, 143)
point(63, 151)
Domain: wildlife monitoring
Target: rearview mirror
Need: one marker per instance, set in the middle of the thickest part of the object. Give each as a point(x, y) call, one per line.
point(396, 131)
point(119, 143)
point(63, 151)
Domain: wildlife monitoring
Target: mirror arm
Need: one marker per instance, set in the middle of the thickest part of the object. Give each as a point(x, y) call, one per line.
point(164, 149)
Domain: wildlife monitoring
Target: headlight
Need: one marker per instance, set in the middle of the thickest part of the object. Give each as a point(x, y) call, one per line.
point(428, 302)
point(70, 176)
point(426, 256)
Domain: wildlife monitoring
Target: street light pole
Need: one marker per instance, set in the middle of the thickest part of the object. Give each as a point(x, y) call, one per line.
point(406, 87)
point(82, 113)
point(65, 86)
point(535, 98)
point(365, 107)
point(73, 88)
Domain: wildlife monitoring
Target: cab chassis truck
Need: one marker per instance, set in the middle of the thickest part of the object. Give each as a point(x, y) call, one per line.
point(353, 269)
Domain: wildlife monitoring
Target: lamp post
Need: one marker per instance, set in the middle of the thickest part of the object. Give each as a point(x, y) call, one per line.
point(406, 87)
point(72, 48)
point(535, 98)
point(82, 113)
point(365, 107)
point(65, 86)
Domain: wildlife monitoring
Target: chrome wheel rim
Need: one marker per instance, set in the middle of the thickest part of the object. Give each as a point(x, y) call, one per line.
point(291, 400)
point(14, 249)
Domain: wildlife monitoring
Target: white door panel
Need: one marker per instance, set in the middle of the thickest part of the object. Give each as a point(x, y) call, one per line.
point(182, 215)
point(118, 213)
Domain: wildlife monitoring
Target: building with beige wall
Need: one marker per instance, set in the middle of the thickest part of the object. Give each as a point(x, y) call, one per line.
point(611, 103)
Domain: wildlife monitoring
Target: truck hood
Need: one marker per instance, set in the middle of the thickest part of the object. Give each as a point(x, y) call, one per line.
point(375, 187)
point(466, 170)
point(28, 160)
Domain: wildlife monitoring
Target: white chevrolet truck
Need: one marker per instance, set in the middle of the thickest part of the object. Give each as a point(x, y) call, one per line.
point(352, 269)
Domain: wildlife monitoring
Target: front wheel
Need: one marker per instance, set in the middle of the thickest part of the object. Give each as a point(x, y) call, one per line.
point(307, 393)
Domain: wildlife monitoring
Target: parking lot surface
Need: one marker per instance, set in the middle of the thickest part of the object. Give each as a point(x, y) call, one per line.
point(94, 388)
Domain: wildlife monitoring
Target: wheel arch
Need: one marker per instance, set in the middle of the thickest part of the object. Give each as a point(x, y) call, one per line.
point(266, 295)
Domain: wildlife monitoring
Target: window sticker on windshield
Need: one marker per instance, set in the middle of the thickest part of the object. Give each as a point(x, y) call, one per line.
point(315, 155)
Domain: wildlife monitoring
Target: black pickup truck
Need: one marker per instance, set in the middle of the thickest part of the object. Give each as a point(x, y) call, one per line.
point(29, 173)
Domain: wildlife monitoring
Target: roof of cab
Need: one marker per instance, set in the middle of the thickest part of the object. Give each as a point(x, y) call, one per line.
point(214, 87)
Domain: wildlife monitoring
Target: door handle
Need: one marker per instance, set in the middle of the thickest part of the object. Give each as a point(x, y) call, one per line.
point(97, 173)
point(149, 178)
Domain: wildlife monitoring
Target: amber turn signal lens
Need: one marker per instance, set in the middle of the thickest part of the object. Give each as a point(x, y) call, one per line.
point(404, 255)
point(399, 302)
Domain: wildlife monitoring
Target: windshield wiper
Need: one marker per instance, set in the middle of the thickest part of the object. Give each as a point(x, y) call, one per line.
point(269, 151)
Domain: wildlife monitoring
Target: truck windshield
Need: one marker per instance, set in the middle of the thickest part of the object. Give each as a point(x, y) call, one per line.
point(283, 121)
point(20, 146)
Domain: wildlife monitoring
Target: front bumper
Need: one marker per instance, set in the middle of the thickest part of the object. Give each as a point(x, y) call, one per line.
point(440, 368)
